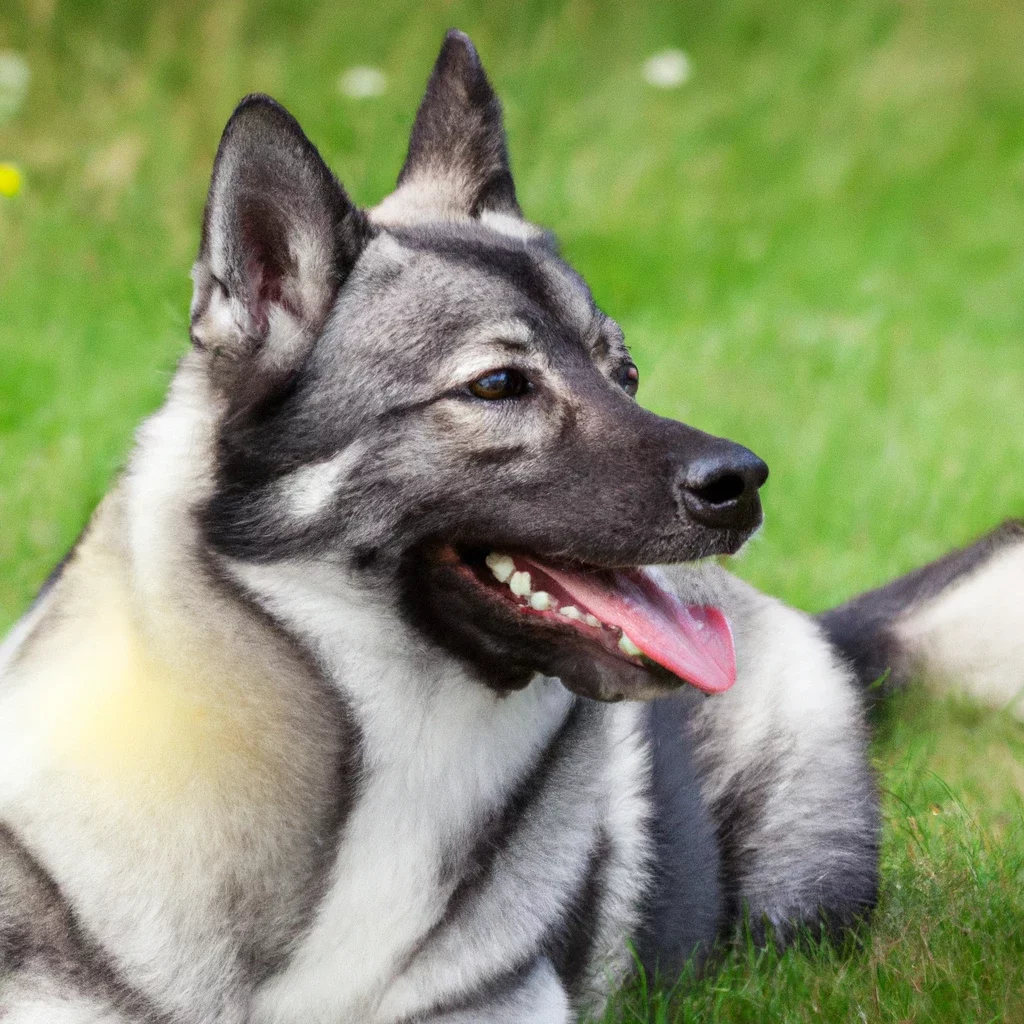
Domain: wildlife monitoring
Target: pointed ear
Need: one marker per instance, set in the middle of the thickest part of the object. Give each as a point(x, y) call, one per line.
point(279, 238)
point(457, 163)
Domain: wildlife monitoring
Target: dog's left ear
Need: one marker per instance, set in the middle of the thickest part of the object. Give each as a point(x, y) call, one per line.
point(280, 236)
point(457, 165)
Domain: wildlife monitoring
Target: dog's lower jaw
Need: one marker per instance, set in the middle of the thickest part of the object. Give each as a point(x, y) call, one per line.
point(505, 653)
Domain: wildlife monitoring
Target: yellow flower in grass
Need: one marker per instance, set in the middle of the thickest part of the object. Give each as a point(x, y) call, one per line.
point(10, 180)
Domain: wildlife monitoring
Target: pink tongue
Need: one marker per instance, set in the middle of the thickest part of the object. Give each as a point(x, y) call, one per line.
point(692, 641)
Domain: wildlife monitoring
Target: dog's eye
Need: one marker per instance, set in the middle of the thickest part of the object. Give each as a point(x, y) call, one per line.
point(629, 378)
point(500, 384)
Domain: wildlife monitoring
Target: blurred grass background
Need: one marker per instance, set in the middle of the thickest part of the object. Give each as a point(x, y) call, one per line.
point(815, 245)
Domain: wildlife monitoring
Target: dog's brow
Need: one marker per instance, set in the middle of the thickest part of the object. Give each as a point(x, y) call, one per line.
point(511, 334)
point(512, 345)
point(484, 354)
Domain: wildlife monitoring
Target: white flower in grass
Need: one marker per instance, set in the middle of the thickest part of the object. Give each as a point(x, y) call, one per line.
point(14, 77)
point(667, 70)
point(362, 82)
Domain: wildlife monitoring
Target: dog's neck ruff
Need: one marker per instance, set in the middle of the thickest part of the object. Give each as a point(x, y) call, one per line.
point(439, 757)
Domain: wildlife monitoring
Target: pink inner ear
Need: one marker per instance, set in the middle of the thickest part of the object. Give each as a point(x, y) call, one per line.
point(267, 259)
point(266, 288)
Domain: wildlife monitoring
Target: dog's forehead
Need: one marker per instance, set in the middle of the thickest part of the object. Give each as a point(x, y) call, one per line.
point(473, 275)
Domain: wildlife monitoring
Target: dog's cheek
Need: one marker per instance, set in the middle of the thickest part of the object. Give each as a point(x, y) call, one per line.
point(447, 611)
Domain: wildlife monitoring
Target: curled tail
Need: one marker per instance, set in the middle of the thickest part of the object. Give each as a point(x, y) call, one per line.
point(957, 623)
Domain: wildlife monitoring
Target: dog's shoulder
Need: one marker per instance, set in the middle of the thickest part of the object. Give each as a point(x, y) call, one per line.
point(782, 762)
point(157, 763)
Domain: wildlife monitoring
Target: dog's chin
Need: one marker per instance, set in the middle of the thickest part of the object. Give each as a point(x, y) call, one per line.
point(456, 599)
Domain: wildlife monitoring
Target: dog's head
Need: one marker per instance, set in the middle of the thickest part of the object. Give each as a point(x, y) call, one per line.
point(427, 397)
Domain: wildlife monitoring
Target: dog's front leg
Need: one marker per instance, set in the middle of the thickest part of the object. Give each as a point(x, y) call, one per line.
point(782, 762)
point(536, 997)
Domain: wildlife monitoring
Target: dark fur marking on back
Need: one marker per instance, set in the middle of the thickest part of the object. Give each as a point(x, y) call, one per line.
point(40, 929)
point(348, 788)
point(862, 628)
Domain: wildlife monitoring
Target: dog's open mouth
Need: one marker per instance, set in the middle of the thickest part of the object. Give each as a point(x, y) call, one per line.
point(623, 611)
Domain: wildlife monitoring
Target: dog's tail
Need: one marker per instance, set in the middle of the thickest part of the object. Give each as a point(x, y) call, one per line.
point(956, 623)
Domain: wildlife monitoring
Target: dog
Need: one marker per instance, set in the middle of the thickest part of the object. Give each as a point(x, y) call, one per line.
point(352, 703)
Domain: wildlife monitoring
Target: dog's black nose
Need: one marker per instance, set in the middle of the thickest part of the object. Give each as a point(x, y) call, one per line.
point(719, 487)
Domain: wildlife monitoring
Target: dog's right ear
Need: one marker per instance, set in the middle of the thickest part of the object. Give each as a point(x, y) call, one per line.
point(280, 236)
point(457, 165)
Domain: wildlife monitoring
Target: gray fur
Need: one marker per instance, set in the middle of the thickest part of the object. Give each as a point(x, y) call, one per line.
point(265, 754)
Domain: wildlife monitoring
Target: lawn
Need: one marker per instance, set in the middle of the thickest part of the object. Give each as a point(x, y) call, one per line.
point(815, 246)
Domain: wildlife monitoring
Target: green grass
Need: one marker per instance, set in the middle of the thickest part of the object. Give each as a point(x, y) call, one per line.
point(814, 247)
point(946, 943)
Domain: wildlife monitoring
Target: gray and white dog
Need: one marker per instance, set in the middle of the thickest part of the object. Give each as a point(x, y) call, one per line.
point(322, 718)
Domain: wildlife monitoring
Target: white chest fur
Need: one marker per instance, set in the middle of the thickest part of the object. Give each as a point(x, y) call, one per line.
point(438, 752)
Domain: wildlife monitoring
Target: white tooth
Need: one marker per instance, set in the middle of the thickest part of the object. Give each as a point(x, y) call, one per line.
point(520, 584)
point(570, 611)
point(540, 601)
point(592, 620)
point(628, 647)
point(501, 566)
